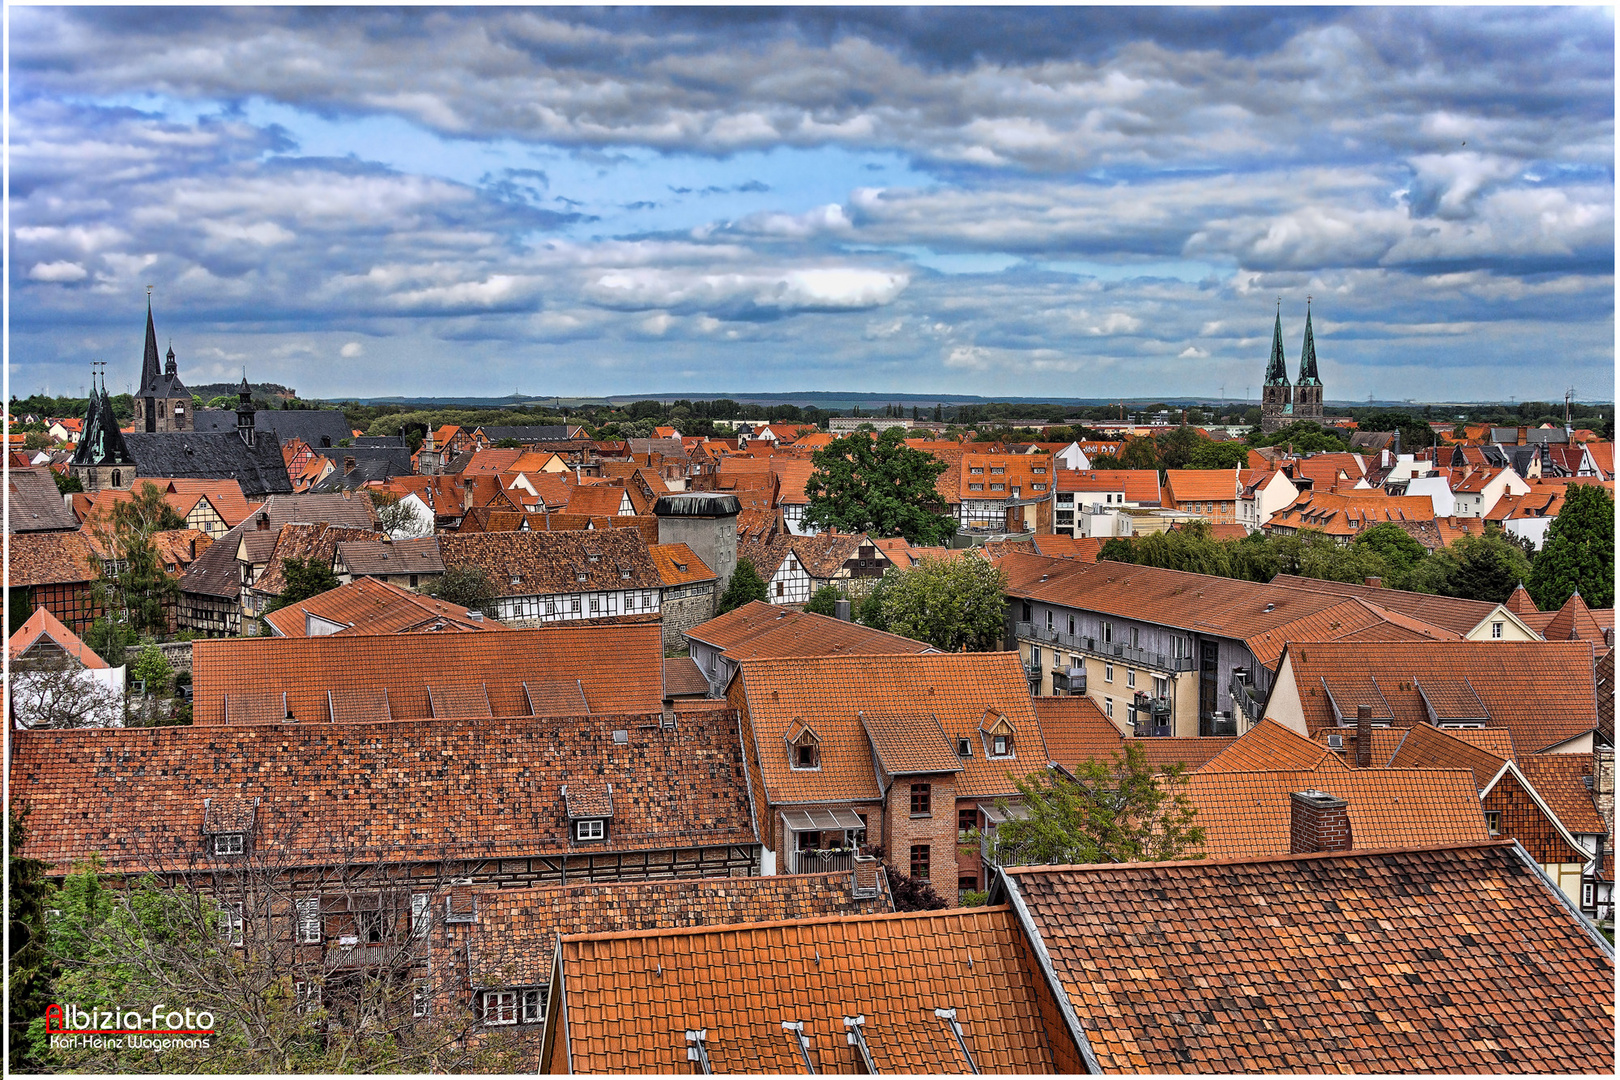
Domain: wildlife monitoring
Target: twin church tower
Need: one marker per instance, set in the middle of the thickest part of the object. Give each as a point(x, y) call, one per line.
point(1283, 404)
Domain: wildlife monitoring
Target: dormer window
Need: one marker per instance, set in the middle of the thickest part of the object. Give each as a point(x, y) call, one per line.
point(806, 756)
point(998, 735)
point(1000, 746)
point(590, 829)
point(977, 470)
point(804, 746)
point(997, 470)
point(230, 843)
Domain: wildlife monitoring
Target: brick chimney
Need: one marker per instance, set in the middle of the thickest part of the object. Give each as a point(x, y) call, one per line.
point(1317, 822)
point(1363, 736)
point(865, 876)
point(348, 465)
point(1373, 582)
point(262, 522)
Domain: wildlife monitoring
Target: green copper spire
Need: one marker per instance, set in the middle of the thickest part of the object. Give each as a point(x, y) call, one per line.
point(1277, 370)
point(1307, 356)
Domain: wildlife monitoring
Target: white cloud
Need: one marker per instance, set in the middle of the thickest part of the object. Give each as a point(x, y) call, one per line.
point(58, 271)
point(351, 350)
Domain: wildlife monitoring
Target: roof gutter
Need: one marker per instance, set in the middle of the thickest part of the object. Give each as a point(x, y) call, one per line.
point(1044, 958)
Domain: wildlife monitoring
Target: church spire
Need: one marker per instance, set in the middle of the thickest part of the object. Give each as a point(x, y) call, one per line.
point(149, 363)
point(1277, 369)
point(1307, 356)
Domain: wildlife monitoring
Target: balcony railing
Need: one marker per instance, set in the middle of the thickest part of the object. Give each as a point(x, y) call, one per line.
point(1070, 680)
point(1106, 650)
point(821, 860)
point(340, 957)
point(1247, 697)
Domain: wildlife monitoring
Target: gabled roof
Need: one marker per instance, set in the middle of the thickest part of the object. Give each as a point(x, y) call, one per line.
point(385, 557)
point(1190, 485)
point(627, 1000)
point(910, 744)
point(1540, 691)
point(315, 544)
point(1355, 618)
point(381, 791)
point(371, 606)
point(683, 678)
point(833, 692)
point(1077, 731)
point(1426, 747)
point(201, 455)
point(1082, 548)
point(42, 624)
point(512, 942)
point(1561, 780)
point(1270, 746)
point(600, 500)
point(1446, 959)
point(35, 504)
point(319, 429)
point(1446, 612)
point(1577, 622)
point(215, 572)
point(511, 667)
point(538, 562)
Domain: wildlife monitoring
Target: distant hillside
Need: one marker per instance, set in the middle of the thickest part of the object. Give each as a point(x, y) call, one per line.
point(210, 391)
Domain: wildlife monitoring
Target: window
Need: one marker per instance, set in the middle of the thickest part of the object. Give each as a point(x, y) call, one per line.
point(413, 580)
point(309, 921)
point(370, 926)
point(920, 796)
point(1108, 673)
point(1038, 487)
point(919, 862)
point(1049, 620)
point(780, 588)
point(1029, 613)
point(1000, 746)
point(967, 883)
point(1071, 626)
point(534, 1005)
point(1038, 470)
point(1130, 679)
point(997, 470)
point(551, 607)
point(1493, 822)
point(1108, 707)
point(596, 604)
point(1586, 895)
point(589, 829)
point(574, 607)
point(998, 487)
point(806, 756)
point(977, 470)
point(306, 995)
point(1035, 657)
point(1161, 687)
point(967, 819)
point(1496, 630)
point(975, 487)
point(422, 1000)
point(500, 1007)
point(230, 924)
point(230, 843)
point(1108, 633)
point(421, 915)
point(630, 601)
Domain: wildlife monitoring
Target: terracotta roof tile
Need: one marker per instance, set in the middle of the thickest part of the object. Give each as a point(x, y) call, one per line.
point(1561, 781)
point(758, 629)
point(1446, 612)
point(1083, 548)
point(42, 624)
point(405, 664)
point(317, 544)
point(1425, 747)
point(1271, 746)
point(679, 565)
point(832, 692)
point(683, 679)
point(631, 997)
point(1540, 691)
point(380, 791)
point(910, 744)
point(1032, 475)
point(1444, 960)
point(1186, 485)
point(1137, 485)
point(1354, 618)
point(1076, 731)
point(50, 558)
point(1187, 751)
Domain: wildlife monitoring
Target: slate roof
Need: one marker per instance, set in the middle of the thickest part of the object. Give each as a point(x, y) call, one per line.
point(387, 557)
point(35, 504)
point(498, 664)
point(311, 425)
point(380, 792)
point(832, 692)
point(211, 456)
point(215, 572)
point(369, 606)
point(1445, 959)
point(50, 558)
point(1543, 692)
point(630, 998)
point(526, 433)
point(538, 563)
point(513, 941)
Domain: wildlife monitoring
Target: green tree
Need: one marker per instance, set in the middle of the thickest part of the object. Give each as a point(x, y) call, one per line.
point(825, 601)
point(1118, 811)
point(465, 584)
point(879, 486)
point(28, 983)
point(1402, 555)
point(1176, 447)
point(745, 585)
point(1231, 454)
point(67, 483)
point(304, 578)
point(134, 588)
point(950, 603)
point(1487, 567)
point(1138, 454)
point(1579, 552)
point(1304, 436)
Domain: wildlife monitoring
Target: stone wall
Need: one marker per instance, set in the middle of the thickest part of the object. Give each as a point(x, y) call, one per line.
point(683, 608)
point(178, 654)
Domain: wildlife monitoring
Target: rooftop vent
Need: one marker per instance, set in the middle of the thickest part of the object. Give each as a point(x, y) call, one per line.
point(1270, 607)
point(1335, 741)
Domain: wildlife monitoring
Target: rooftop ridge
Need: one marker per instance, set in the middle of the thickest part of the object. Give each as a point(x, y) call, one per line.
point(721, 928)
point(1351, 853)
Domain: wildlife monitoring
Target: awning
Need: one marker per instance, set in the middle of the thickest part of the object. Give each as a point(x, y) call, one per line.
point(1015, 812)
point(821, 820)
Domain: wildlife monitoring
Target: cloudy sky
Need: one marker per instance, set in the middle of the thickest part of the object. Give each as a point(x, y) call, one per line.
point(1074, 202)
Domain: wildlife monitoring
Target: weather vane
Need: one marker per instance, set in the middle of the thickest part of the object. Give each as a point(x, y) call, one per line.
point(149, 292)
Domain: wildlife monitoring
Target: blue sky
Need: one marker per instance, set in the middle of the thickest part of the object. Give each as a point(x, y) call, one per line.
point(998, 201)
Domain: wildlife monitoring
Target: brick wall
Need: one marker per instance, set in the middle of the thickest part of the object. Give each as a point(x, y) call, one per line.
point(938, 830)
point(1318, 822)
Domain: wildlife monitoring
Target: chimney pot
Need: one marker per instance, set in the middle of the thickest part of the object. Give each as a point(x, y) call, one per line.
point(1363, 736)
point(1317, 822)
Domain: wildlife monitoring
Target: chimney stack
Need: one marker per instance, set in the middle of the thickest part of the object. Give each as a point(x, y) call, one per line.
point(1317, 822)
point(1373, 582)
point(348, 464)
point(1363, 736)
point(864, 876)
point(841, 609)
point(262, 522)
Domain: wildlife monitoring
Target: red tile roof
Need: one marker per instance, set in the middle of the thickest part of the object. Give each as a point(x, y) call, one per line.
point(1137, 485)
point(758, 629)
point(499, 663)
point(683, 679)
point(629, 998)
point(1352, 618)
point(1446, 959)
point(1076, 730)
point(1031, 474)
point(1082, 548)
point(679, 565)
point(371, 606)
point(42, 624)
point(378, 792)
point(1561, 781)
point(1270, 746)
point(1188, 485)
point(537, 562)
point(1543, 692)
point(50, 558)
point(1446, 612)
point(830, 694)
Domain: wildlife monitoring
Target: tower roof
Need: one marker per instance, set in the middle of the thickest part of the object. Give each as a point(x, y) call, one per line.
point(1307, 356)
point(101, 442)
point(149, 362)
point(1277, 369)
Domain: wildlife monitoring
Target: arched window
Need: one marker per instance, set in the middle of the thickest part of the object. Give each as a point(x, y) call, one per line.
point(117, 478)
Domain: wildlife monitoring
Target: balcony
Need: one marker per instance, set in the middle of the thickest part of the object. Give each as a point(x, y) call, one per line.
point(1112, 652)
point(1246, 696)
point(374, 955)
point(1071, 680)
point(821, 860)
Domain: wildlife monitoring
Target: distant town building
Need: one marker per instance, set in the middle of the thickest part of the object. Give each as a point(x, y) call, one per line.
point(1282, 404)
